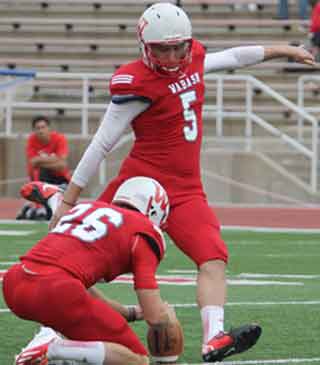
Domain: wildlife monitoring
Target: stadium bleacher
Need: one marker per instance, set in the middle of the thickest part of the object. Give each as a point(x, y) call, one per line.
point(98, 36)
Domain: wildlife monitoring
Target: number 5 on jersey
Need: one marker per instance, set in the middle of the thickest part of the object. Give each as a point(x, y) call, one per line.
point(191, 129)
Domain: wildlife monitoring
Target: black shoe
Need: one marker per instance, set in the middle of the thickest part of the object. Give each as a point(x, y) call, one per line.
point(230, 343)
point(39, 192)
point(43, 214)
point(23, 212)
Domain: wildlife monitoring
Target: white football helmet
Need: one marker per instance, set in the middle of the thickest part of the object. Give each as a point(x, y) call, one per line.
point(147, 196)
point(164, 24)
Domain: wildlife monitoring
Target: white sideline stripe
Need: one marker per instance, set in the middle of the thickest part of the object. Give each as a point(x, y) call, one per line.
point(227, 228)
point(271, 230)
point(241, 276)
point(15, 233)
point(252, 304)
point(285, 276)
point(266, 362)
point(253, 275)
point(14, 221)
point(231, 304)
point(191, 280)
point(262, 282)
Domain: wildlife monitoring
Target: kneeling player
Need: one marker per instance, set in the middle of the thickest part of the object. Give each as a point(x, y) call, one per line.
point(93, 241)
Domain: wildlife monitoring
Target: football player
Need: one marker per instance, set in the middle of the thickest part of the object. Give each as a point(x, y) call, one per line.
point(161, 96)
point(93, 241)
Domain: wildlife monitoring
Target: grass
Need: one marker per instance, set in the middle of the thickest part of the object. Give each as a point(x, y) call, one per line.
point(289, 319)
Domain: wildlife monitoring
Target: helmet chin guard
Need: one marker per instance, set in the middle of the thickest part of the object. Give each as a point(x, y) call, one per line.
point(164, 24)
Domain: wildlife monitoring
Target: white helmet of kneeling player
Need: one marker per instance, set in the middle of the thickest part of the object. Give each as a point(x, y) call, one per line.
point(147, 196)
point(165, 24)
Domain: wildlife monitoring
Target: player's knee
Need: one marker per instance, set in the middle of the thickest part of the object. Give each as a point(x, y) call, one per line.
point(213, 267)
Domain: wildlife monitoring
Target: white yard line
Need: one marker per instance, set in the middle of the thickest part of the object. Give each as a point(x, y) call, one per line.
point(227, 228)
point(185, 280)
point(270, 230)
point(253, 275)
point(270, 303)
point(233, 304)
point(14, 221)
point(15, 233)
point(283, 276)
point(266, 362)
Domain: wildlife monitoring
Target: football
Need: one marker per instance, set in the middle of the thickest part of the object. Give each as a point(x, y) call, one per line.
point(166, 343)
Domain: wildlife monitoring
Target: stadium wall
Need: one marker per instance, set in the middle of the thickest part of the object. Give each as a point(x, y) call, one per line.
point(228, 177)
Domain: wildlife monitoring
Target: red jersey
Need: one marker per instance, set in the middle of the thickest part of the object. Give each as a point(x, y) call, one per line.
point(57, 145)
point(95, 241)
point(169, 133)
point(315, 19)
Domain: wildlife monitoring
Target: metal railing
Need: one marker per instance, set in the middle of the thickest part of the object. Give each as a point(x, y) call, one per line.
point(9, 103)
point(252, 118)
point(301, 100)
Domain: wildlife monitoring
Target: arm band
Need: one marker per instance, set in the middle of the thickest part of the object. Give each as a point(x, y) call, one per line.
point(132, 314)
point(67, 203)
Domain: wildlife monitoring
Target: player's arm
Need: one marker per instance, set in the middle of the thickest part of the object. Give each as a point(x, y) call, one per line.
point(155, 311)
point(145, 262)
point(117, 118)
point(238, 57)
point(298, 54)
point(53, 161)
point(130, 313)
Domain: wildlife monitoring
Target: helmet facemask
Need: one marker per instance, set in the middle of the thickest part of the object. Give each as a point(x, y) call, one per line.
point(168, 67)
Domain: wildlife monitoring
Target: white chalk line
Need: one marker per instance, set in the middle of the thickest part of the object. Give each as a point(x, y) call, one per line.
point(224, 227)
point(235, 304)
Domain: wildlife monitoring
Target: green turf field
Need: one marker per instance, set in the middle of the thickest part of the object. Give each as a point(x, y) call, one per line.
point(274, 279)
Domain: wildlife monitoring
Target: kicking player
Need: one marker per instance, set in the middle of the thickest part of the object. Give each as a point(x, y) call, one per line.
point(161, 96)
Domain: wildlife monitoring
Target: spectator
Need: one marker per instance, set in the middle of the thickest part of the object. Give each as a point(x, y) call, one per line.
point(47, 153)
point(52, 283)
point(161, 96)
point(315, 29)
point(283, 9)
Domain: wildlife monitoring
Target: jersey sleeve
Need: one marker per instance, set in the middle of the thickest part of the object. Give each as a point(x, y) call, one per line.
point(31, 150)
point(62, 146)
point(132, 82)
point(144, 264)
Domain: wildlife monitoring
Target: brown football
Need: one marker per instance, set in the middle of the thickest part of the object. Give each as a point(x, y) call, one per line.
point(166, 343)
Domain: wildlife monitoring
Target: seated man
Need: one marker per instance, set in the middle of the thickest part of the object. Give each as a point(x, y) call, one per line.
point(47, 153)
point(52, 284)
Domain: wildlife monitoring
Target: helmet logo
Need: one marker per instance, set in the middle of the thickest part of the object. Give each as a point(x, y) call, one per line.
point(160, 198)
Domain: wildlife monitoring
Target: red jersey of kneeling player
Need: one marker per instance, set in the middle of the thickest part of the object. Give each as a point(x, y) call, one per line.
point(96, 241)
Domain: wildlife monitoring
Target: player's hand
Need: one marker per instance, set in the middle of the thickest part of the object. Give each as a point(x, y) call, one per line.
point(171, 313)
point(167, 316)
point(301, 55)
point(62, 208)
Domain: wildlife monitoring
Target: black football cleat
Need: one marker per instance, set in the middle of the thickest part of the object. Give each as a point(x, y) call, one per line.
point(230, 343)
point(40, 192)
